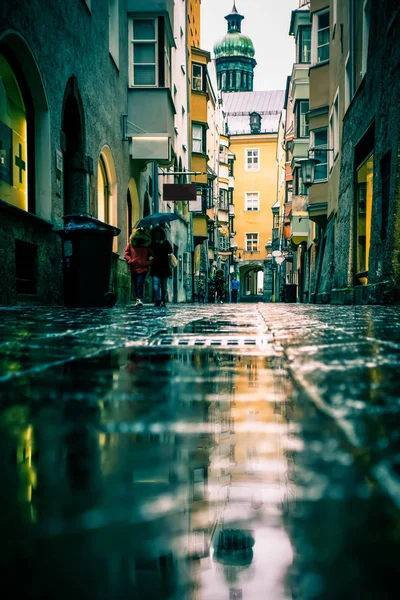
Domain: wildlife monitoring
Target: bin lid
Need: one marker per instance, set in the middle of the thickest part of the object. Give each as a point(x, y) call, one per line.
point(86, 222)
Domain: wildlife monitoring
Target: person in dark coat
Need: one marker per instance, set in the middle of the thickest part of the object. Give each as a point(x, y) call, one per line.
point(160, 269)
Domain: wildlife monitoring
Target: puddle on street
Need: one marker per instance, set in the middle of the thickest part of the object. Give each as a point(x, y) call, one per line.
point(182, 474)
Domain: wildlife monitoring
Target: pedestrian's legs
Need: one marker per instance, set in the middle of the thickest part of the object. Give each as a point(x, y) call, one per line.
point(157, 288)
point(164, 289)
point(134, 283)
point(140, 285)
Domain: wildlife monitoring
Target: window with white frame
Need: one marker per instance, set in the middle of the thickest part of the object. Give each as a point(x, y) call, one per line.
point(197, 77)
point(198, 138)
point(304, 44)
point(302, 107)
point(252, 159)
point(149, 66)
point(251, 242)
point(252, 200)
point(321, 36)
point(320, 143)
point(334, 132)
point(145, 49)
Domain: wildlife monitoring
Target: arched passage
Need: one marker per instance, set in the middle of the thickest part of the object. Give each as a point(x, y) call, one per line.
point(251, 282)
point(74, 150)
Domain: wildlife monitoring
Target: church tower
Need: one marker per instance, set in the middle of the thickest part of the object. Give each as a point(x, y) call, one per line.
point(234, 57)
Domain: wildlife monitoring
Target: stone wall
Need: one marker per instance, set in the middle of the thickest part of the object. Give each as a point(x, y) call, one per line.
point(68, 43)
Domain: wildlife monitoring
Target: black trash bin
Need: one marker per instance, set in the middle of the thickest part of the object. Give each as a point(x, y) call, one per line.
point(87, 256)
point(290, 292)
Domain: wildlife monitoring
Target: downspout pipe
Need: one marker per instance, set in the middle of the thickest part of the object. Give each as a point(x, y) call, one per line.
point(155, 187)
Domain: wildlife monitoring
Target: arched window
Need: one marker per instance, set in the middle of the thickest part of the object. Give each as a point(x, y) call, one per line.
point(103, 192)
point(13, 139)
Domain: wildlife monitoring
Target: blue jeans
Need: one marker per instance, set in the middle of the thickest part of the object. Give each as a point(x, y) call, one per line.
point(160, 288)
point(138, 283)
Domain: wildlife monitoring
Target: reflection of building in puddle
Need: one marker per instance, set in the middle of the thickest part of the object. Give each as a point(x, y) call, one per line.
point(258, 489)
point(17, 441)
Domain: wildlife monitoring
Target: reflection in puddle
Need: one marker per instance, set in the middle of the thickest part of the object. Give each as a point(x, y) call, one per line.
point(180, 474)
point(135, 462)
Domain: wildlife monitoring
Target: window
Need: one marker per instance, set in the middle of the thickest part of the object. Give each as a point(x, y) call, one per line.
point(299, 189)
point(230, 162)
point(198, 138)
point(322, 34)
point(197, 78)
point(151, 53)
point(252, 200)
point(320, 140)
point(334, 132)
point(144, 52)
point(223, 199)
point(13, 139)
point(223, 243)
point(113, 29)
point(223, 155)
point(304, 45)
point(364, 197)
point(103, 192)
point(251, 242)
point(301, 114)
point(252, 159)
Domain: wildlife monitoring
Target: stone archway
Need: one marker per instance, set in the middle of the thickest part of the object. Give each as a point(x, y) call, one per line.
point(251, 289)
point(75, 169)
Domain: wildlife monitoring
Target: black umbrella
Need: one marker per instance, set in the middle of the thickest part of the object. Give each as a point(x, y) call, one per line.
point(156, 219)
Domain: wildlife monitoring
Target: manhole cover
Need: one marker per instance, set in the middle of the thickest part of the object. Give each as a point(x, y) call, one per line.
point(210, 341)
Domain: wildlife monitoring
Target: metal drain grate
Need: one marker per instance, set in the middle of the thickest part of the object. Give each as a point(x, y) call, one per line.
point(196, 341)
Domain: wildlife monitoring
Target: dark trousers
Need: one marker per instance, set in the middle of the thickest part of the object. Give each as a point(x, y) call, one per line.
point(234, 295)
point(138, 283)
point(160, 286)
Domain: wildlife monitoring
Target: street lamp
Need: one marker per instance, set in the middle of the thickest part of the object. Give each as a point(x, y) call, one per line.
point(308, 165)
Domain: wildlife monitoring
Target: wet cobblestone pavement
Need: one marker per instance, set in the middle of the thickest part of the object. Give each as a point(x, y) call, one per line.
point(200, 452)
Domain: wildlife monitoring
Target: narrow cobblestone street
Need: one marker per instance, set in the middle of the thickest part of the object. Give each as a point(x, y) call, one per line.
point(200, 452)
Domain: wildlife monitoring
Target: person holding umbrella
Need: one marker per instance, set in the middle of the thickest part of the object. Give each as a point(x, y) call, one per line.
point(160, 267)
point(139, 256)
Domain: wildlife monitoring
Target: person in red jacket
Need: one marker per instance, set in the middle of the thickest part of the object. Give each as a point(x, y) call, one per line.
point(139, 255)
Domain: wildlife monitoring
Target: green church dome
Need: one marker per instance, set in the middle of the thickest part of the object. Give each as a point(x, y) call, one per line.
point(234, 43)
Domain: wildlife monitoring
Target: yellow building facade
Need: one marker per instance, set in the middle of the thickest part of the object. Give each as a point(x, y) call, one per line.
point(253, 123)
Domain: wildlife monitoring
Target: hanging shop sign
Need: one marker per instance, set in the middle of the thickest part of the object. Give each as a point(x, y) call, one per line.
point(179, 192)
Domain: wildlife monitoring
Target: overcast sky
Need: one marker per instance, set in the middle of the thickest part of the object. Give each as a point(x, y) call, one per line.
point(267, 24)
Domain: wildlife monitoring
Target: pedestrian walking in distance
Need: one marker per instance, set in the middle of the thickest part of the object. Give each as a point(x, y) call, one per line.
point(139, 256)
point(235, 287)
point(160, 268)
